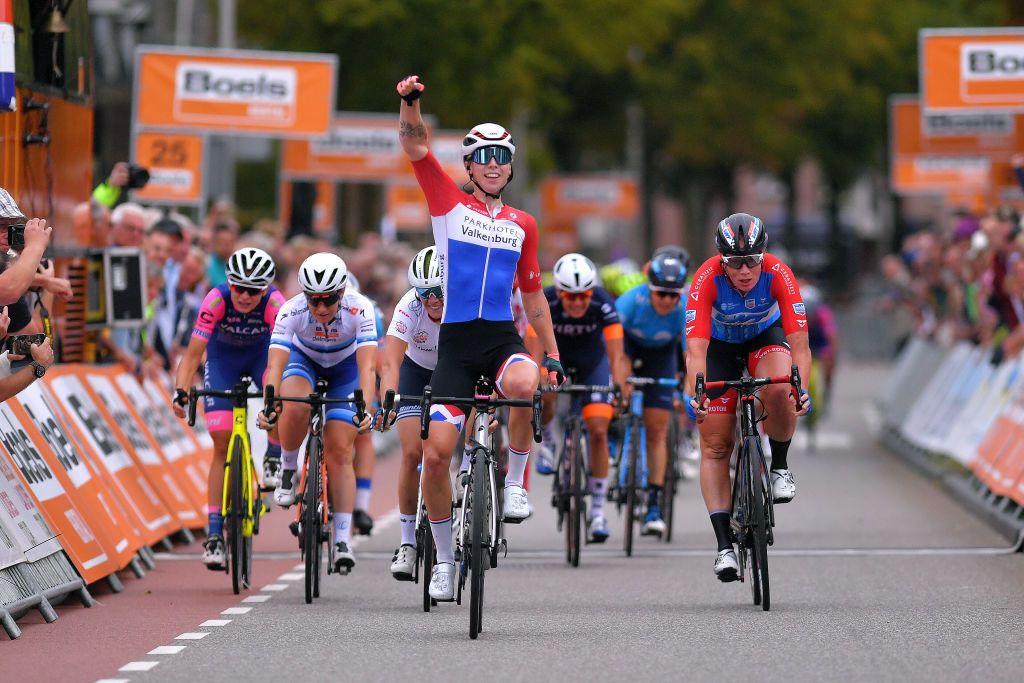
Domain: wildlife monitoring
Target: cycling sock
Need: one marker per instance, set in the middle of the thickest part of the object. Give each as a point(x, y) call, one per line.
point(720, 523)
point(516, 466)
point(464, 466)
point(408, 524)
point(598, 486)
point(342, 526)
point(363, 493)
point(653, 496)
point(780, 450)
point(215, 520)
point(273, 450)
point(441, 529)
point(290, 459)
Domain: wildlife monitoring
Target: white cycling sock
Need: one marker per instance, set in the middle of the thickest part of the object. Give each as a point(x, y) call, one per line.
point(290, 459)
point(441, 529)
point(598, 486)
point(342, 526)
point(516, 466)
point(408, 524)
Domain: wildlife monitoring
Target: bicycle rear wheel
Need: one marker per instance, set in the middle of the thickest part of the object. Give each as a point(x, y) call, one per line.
point(235, 515)
point(758, 525)
point(671, 475)
point(427, 556)
point(576, 500)
point(631, 484)
point(479, 551)
point(311, 519)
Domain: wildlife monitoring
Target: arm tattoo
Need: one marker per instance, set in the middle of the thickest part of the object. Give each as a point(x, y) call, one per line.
point(412, 130)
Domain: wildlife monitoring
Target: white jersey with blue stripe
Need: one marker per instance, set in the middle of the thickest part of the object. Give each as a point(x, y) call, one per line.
point(327, 344)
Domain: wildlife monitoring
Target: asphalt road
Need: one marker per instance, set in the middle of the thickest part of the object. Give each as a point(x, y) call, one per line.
point(876, 575)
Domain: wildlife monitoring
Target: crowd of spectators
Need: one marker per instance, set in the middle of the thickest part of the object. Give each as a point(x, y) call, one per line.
point(963, 282)
point(184, 259)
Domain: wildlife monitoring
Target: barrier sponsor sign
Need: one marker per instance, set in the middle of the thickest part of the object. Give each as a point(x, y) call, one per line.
point(175, 163)
point(234, 91)
point(89, 555)
point(573, 197)
point(972, 69)
point(27, 535)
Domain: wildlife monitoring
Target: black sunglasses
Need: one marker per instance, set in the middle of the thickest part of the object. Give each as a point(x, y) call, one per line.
point(666, 295)
point(737, 262)
point(483, 155)
point(251, 291)
point(324, 299)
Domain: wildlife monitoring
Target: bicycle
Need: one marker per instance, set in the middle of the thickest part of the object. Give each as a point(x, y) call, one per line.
point(569, 489)
point(753, 514)
point(239, 505)
point(479, 539)
point(312, 517)
point(631, 469)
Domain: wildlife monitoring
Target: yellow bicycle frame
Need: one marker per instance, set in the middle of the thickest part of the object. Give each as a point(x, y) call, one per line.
point(240, 433)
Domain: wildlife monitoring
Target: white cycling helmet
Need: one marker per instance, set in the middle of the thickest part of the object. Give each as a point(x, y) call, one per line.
point(352, 283)
point(575, 273)
point(425, 271)
point(487, 135)
point(250, 267)
point(323, 273)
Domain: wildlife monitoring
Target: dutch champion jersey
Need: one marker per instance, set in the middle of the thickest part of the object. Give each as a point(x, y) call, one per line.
point(478, 254)
point(715, 310)
point(353, 326)
point(413, 325)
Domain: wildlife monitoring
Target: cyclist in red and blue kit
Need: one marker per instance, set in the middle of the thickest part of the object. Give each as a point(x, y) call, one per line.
point(744, 311)
point(652, 318)
point(233, 329)
point(481, 245)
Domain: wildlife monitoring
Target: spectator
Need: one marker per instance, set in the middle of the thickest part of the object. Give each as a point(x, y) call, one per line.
point(111, 192)
point(18, 273)
point(13, 381)
point(127, 225)
point(224, 243)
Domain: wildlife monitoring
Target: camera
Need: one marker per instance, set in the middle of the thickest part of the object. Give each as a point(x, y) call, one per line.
point(21, 344)
point(16, 236)
point(138, 176)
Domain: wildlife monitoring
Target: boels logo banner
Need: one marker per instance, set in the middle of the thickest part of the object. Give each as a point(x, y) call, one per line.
point(972, 69)
point(281, 94)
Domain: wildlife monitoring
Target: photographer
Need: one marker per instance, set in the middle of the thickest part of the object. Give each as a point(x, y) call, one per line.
point(123, 176)
point(12, 381)
point(27, 239)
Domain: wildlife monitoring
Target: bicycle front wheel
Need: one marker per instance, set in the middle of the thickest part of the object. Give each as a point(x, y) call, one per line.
point(631, 484)
point(479, 551)
point(236, 515)
point(576, 483)
point(427, 557)
point(758, 524)
point(671, 475)
point(311, 519)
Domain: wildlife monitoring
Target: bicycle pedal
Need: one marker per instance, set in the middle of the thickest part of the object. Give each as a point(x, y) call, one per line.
point(294, 528)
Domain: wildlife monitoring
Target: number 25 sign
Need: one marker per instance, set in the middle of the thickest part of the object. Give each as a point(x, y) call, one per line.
point(175, 164)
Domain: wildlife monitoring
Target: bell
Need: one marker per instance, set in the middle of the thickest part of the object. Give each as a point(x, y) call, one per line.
point(56, 23)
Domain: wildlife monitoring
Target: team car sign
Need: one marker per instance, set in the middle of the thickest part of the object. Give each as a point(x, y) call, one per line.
point(972, 69)
point(281, 94)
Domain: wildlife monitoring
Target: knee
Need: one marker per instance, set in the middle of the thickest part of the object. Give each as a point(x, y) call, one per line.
point(776, 398)
point(340, 455)
point(598, 438)
point(434, 461)
point(519, 384)
point(716, 448)
point(412, 457)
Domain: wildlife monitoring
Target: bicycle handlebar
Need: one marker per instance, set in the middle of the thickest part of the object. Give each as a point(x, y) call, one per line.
point(581, 389)
point(746, 385)
point(652, 381)
point(427, 399)
point(238, 392)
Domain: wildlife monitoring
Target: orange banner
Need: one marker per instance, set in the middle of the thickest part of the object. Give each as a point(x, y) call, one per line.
point(573, 197)
point(972, 69)
point(235, 91)
point(175, 164)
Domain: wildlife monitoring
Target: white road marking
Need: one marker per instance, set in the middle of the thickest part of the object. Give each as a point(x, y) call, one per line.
point(257, 598)
point(824, 440)
point(215, 622)
point(275, 587)
point(138, 666)
point(237, 610)
point(299, 567)
point(291, 577)
point(112, 680)
point(193, 635)
point(166, 650)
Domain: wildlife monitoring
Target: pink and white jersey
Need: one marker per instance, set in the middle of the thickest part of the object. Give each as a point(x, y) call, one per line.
point(479, 254)
point(225, 330)
point(326, 344)
point(413, 325)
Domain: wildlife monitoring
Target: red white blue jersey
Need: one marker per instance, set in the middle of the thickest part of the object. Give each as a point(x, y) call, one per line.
point(479, 254)
point(716, 310)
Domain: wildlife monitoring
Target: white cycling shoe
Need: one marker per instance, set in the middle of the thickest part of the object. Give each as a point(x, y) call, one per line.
point(442, 582)
point(783, 486)
point(727, 567)
point(516, 505)
point(271, 473)
point(284, 494)
point(213, 552)
point(403, 564)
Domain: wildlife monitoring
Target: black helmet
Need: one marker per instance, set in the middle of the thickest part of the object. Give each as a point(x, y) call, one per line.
point(667, 272)
point(741, 235)
point(674, 250)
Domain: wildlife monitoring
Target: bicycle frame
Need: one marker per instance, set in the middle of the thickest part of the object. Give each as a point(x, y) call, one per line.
point(485, 448)
point(316, 422)
point(239, 432)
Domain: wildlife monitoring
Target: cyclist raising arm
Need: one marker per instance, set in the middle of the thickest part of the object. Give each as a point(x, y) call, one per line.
point(744, 310)
point(481, 245)
point(233, 329)
point(325, 332)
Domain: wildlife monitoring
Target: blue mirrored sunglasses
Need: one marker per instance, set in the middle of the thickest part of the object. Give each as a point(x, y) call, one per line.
point(483, 155)
point(427, 292)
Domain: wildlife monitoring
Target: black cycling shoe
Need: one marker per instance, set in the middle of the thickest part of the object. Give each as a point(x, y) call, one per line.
point(363, 522)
